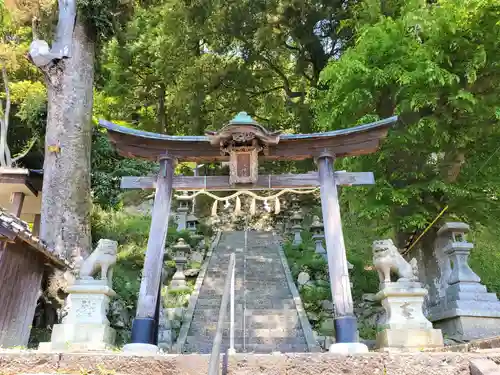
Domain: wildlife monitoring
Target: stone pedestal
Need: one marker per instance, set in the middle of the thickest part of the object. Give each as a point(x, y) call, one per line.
point(179, 279)
point(297, 238)
point(182, 214)
point(406, 327)
point(296, 219)
point(466, 311)
point(318, 243)
point(86, 327)
point(166, 333)
point(181, 249)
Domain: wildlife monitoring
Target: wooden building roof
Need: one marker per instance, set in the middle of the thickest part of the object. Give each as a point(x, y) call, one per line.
point(358, 140)
point(28, 182)
point(12, 228)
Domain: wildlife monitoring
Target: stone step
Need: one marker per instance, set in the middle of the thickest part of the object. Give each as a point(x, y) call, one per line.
point(482, 366)
point(272, 334)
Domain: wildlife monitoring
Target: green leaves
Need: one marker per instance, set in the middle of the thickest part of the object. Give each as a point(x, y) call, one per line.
point(437, 67)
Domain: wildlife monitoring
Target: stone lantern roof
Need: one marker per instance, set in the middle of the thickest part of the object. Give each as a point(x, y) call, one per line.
point(296, 216)
point(317, 224)
point(181, 246)
point(192, 218)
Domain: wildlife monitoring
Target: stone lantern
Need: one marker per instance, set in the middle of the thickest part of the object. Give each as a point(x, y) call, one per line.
point(295, 203)
point(318, 236)
point(296, 220)
point(192, 226)
point(465, 310)
point(180, 250)
point(192, 223)
point(280, 221)
point(182, 212)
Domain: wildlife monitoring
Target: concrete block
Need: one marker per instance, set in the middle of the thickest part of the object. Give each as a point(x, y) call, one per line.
point(409, 339)
point(480, 366)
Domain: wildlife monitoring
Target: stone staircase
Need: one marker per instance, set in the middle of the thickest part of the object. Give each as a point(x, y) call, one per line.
point(266, 317)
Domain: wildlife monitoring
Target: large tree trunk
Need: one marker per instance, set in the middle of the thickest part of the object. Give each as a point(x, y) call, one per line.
point(66, 201)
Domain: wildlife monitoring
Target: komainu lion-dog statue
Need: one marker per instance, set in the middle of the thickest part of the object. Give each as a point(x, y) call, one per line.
point(101, 259)
point(386, 258)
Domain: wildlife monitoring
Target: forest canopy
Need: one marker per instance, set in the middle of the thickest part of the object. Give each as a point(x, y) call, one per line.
point(180, 67)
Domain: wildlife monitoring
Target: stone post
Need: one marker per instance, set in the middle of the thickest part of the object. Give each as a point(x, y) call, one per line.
point(17, 200)
point(144, 325)
point(466, 311)
point(344, 319)
point(182, 213)
point(296, 228)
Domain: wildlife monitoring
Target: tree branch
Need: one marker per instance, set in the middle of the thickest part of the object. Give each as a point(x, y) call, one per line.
point(40, 53)
point(291, 47)
point(65, 26)
point(257, 93)
point(286, 83)
point(311, 79)
point(34, 27)
point(25, 152)
point(5, 79)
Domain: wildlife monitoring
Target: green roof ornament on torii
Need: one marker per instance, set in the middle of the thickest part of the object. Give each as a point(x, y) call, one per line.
point(243, 142)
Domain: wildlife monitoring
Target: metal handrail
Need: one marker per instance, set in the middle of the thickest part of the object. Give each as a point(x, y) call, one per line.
point(228, 293)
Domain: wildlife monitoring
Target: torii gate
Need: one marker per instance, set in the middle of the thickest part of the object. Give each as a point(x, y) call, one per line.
point(244, 142)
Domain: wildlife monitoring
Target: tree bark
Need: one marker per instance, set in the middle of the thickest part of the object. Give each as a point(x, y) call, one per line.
point(66, 201)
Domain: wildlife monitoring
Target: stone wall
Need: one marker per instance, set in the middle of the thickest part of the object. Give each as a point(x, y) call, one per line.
point(431, 259)
point(243, 364)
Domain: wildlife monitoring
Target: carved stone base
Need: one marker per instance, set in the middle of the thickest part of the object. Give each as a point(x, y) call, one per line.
point(86, 327)
point(467, 312)
point(470, 327)
point(406, 326)
point(409, 339)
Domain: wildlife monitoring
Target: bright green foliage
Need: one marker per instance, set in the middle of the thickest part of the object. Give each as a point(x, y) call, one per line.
point(184, 66)
point(105, 17)
point(358, 236)
point(302, 258)
point(485, 257)
point(131, 232)
point(27, 93)
point(107, 169)
point(437, 66)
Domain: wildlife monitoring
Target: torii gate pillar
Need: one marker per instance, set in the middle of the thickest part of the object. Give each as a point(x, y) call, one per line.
point(344, 319)
point(144, 326)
